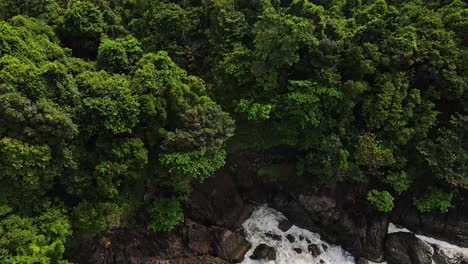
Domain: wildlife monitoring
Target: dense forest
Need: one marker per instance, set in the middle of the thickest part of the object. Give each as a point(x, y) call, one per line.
point(111, 109)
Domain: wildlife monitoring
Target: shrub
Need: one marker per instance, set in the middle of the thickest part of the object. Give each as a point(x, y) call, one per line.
point(165, 215)
point(383, 201)
point(435, 199)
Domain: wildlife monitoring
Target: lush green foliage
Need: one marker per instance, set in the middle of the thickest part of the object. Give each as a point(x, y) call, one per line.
point(33, 240)
point(165, 214)
point(110, 110)
point(383, 201)
point(435, 199)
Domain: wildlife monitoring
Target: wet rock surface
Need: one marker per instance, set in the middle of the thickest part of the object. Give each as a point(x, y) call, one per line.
point(274, 236)
point(284, 225)
point(291, 238)
point(324, 247)
point(447, 256)
point(314, 250)
point(264, 252)
point(362, 261)
point(298, 250)
point(403, 247)
point(362, 235)
point(451, 227)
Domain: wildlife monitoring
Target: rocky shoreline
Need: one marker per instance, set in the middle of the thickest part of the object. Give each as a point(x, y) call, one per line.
point(212, 232)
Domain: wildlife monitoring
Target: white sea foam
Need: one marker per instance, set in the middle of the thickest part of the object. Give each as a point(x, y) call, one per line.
point(265, 220)
point(449, 249)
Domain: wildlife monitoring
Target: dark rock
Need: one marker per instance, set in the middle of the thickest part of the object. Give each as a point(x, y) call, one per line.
point(308, 241)
point(199, 238)
point(444, 256)
point(298, 250)
point(187, 260)
point(230, 246)
point(451, 226)
point(291, 238)
point(314, 250)
point(325, 247)
point(361, 261)
point(129, 246)
point(274, 236)
point(292, 209)
point(361, 234)
point(190, 243)
point(217, 202)
point(403, 247)
point(264, 252)
point(301, 237)
point(322, 261)
point(284, 225)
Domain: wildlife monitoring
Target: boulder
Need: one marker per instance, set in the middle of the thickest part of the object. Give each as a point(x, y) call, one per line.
point(448, 256)
point(361, 234)
point(284, 225)
point(230, 246)
point(190, 243)
point(129, 246)
point(264, 252)
point(361, 261)
point(187, 260)
point(403, 247)
point(217, 201)
point(274, 236)
point(451, 226)
point(298, 250)
point(291, 238)
point(314, 250)
point(325, 247)
point(198, 238)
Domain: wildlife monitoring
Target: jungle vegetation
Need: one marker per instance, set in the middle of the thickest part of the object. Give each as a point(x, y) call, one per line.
point(111, 109)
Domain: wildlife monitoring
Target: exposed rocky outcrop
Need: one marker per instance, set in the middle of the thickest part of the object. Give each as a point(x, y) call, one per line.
point(221, 204)
point(451, 227)
point(217, 201)
point(358, 228)
point(230, 246)
point(362, 235)
point(264, 252)
point(185, 260)
point(403, 247)
point(198, 238)
point(448, 256)
point(190, 243)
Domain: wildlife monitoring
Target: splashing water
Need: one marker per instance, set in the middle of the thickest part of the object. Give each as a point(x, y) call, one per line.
point(449, 249)
point(265, 220)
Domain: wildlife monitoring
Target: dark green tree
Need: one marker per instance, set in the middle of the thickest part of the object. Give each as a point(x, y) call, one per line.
point(82, 29)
